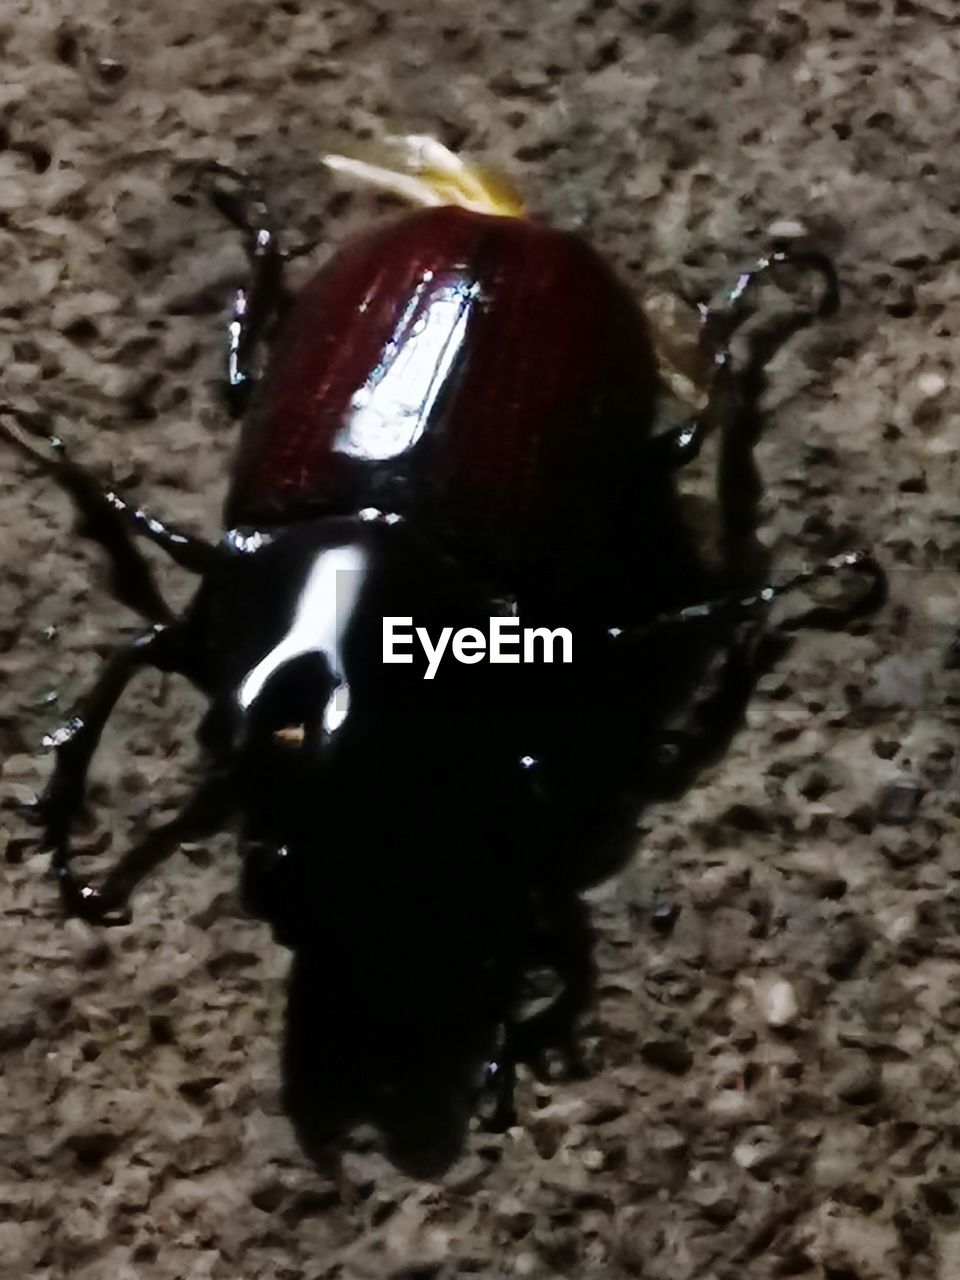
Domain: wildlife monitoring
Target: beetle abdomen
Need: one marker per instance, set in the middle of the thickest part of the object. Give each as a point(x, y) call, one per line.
point(486, 375)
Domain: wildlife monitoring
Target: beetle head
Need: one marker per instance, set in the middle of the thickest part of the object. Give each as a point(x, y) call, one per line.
point(307, 715)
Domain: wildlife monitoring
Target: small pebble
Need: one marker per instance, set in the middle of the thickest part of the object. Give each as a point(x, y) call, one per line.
point(717, 1203)
point(778, 1004)
point(747, 1154)
point(787, 229)
point(731, 1107)
point(111, 71)
point(760, 1153)
point(931, 384)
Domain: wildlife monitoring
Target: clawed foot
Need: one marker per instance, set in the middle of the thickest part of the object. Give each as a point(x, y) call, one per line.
point(79, 898)
point(550, 1056)
point(870, 594)
point(497, 1111)
point(82, 900)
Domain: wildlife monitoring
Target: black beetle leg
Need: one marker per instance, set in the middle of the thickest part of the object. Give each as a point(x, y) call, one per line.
point(109, 520)
point(203, 814)
point(681, 444)
point(76, 741)
point(835, 617)
point(256, 305)
point(732, 609)
point(497, 1110)
point(739, 487)
point(721, 322)
point(826, 617)
point(735, 392)
point(734, 404)
point(715, 717)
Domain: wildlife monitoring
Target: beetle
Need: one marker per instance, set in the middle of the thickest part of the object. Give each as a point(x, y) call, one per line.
point(457, 420)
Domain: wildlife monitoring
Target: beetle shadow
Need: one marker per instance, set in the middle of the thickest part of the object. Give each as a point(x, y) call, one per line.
point(414, 1041)
point(450, 952)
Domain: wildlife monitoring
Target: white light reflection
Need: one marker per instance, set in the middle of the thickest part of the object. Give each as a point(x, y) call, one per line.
point(246, 543)
point(328, 596)
point(388, 414)
point(335, 712)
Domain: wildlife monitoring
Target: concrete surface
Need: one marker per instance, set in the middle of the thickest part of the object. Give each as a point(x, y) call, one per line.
point(810, 1125)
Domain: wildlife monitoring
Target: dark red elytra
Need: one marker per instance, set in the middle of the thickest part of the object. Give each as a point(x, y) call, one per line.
point(486, 375)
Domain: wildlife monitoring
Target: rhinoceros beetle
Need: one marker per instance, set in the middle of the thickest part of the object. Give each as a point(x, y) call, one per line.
point(458, 420)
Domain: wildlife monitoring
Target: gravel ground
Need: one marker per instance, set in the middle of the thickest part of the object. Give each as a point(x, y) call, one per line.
point(774, 1084)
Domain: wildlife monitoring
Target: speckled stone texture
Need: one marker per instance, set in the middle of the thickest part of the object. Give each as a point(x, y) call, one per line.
point(775, 1087)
